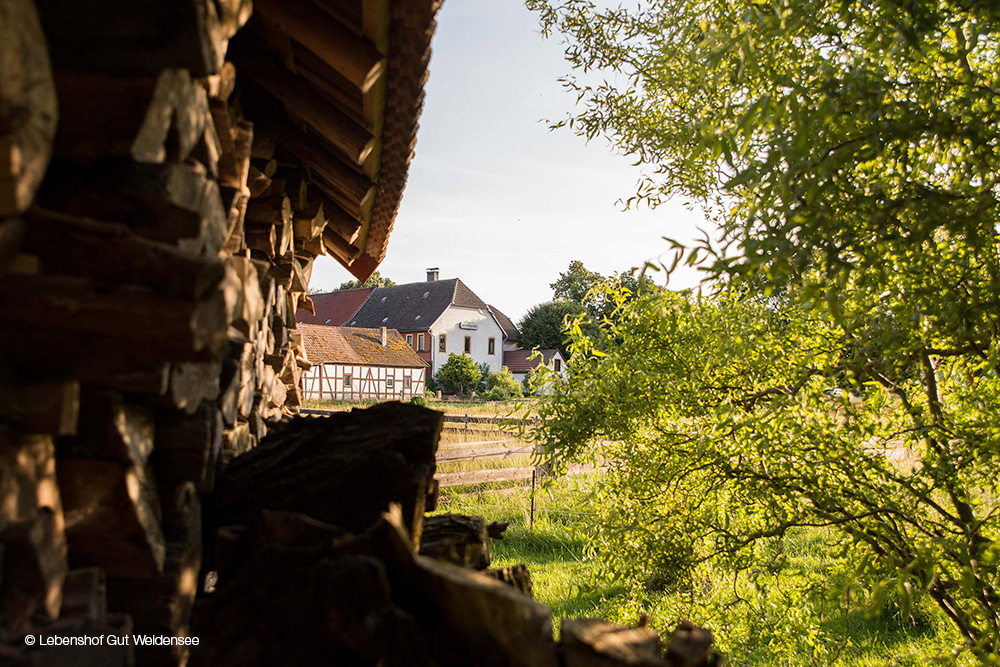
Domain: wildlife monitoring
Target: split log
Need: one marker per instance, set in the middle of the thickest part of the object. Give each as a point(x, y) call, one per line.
point(589, 642)
point(469, 614)
point(158, 118)
point(325, 468)
point(691, 646)
point(121, 36)
point(31, 571)
point(112, 517)
point(111, 429)
point(27, 105)
point(62, 308)
point(40, 407)
point(27, 478)
point(517, 576)
point(112, 253)
point(173, 203)
point(188, 445)
point(456, 538)
point(163, 606)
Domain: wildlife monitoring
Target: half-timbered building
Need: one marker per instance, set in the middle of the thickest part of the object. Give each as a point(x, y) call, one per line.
point(352, 363)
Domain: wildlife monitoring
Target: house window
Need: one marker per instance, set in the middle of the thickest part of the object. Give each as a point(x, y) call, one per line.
point(442, 343)
point(558, 365)
point(420, 342)
point(407, 381)
point(390, 382)
point(491, 346)
point(409, 339)
point(347, 380)
point(468, 344)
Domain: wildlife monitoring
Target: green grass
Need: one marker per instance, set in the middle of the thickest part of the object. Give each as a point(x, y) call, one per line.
point(478, 408)
point(784, 614)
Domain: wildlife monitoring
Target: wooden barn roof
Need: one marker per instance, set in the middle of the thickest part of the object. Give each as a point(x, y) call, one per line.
point(335, 90)
point(334, 308)
point(343, 345)
point(518, 360)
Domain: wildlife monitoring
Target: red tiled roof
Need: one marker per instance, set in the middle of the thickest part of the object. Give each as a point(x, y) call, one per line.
point(517, 360)
point(352, 345)
point(334, 308)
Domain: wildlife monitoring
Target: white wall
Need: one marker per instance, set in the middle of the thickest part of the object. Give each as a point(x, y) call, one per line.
point(448, 324)
point(521, 377)
point(326, 382)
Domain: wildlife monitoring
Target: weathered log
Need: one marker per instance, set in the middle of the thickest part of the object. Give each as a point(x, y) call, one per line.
point(192, 383)
point(456, 538)
point(173, 203)
point(325, 467)
point(100, 333)
point(188, 445)
point(496, 529)
point(163, 606)
point(119, 36)
point(27, 105)
point(153, 119)
point(111, 252)
point(470, 614)
point(40, 407)
point(691, 646)
point(516, 576)
point(32, 570)
point(589, 642)
point(27, 477)
point(111, 429)
point(112, 517)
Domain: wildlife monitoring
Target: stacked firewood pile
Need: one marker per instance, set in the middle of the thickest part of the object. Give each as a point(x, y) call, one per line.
point(301, 529)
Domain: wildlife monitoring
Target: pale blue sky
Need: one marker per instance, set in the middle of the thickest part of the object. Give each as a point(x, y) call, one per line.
point(494, 197)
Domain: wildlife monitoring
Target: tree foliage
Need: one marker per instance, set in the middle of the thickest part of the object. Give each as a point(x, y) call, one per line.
point(502, 385)
point(587, 288)
point(374, 280)
point(457, 374)
point(544, 325)
point(848, 153)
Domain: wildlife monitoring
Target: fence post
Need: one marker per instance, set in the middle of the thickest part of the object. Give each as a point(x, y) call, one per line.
point(531, 523)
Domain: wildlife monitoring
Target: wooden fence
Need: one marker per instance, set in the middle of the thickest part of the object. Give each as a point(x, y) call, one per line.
point(496, 449)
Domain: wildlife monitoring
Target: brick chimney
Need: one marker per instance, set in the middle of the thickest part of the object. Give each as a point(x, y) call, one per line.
point(432, 274)
point(384, 336)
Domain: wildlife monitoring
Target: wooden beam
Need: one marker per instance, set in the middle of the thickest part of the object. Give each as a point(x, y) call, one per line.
point(353, 56)
point(302, 101)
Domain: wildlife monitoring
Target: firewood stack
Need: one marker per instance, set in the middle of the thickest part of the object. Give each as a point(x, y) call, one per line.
point(169, 172)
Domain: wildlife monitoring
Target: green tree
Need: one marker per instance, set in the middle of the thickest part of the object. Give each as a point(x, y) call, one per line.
point(846, 151)
point(458, 373)
point(374, 280)
point(575, 283)
point(544, 325)
point(502, 384)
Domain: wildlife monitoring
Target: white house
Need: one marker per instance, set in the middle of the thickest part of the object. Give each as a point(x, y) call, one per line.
point(437, 318)
point(358, 364)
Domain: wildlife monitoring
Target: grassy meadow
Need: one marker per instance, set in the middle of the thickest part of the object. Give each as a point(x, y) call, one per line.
point(787, 611)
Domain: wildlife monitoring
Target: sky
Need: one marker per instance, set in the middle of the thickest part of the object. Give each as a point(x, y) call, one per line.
point(496, 198)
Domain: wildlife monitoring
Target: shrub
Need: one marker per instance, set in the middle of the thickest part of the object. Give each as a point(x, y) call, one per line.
point(502, 385)
point(418, 400)
point(459, 375)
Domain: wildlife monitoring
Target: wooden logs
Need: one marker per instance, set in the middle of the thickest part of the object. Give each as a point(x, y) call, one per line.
point(456, 538)
point(112, 517)
point(111, 429)
point(27, 105)
point(123, 37)
point(187, 446)
point(326, 467)
point(154, 118)
point(517, 576)
point(589, 642)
